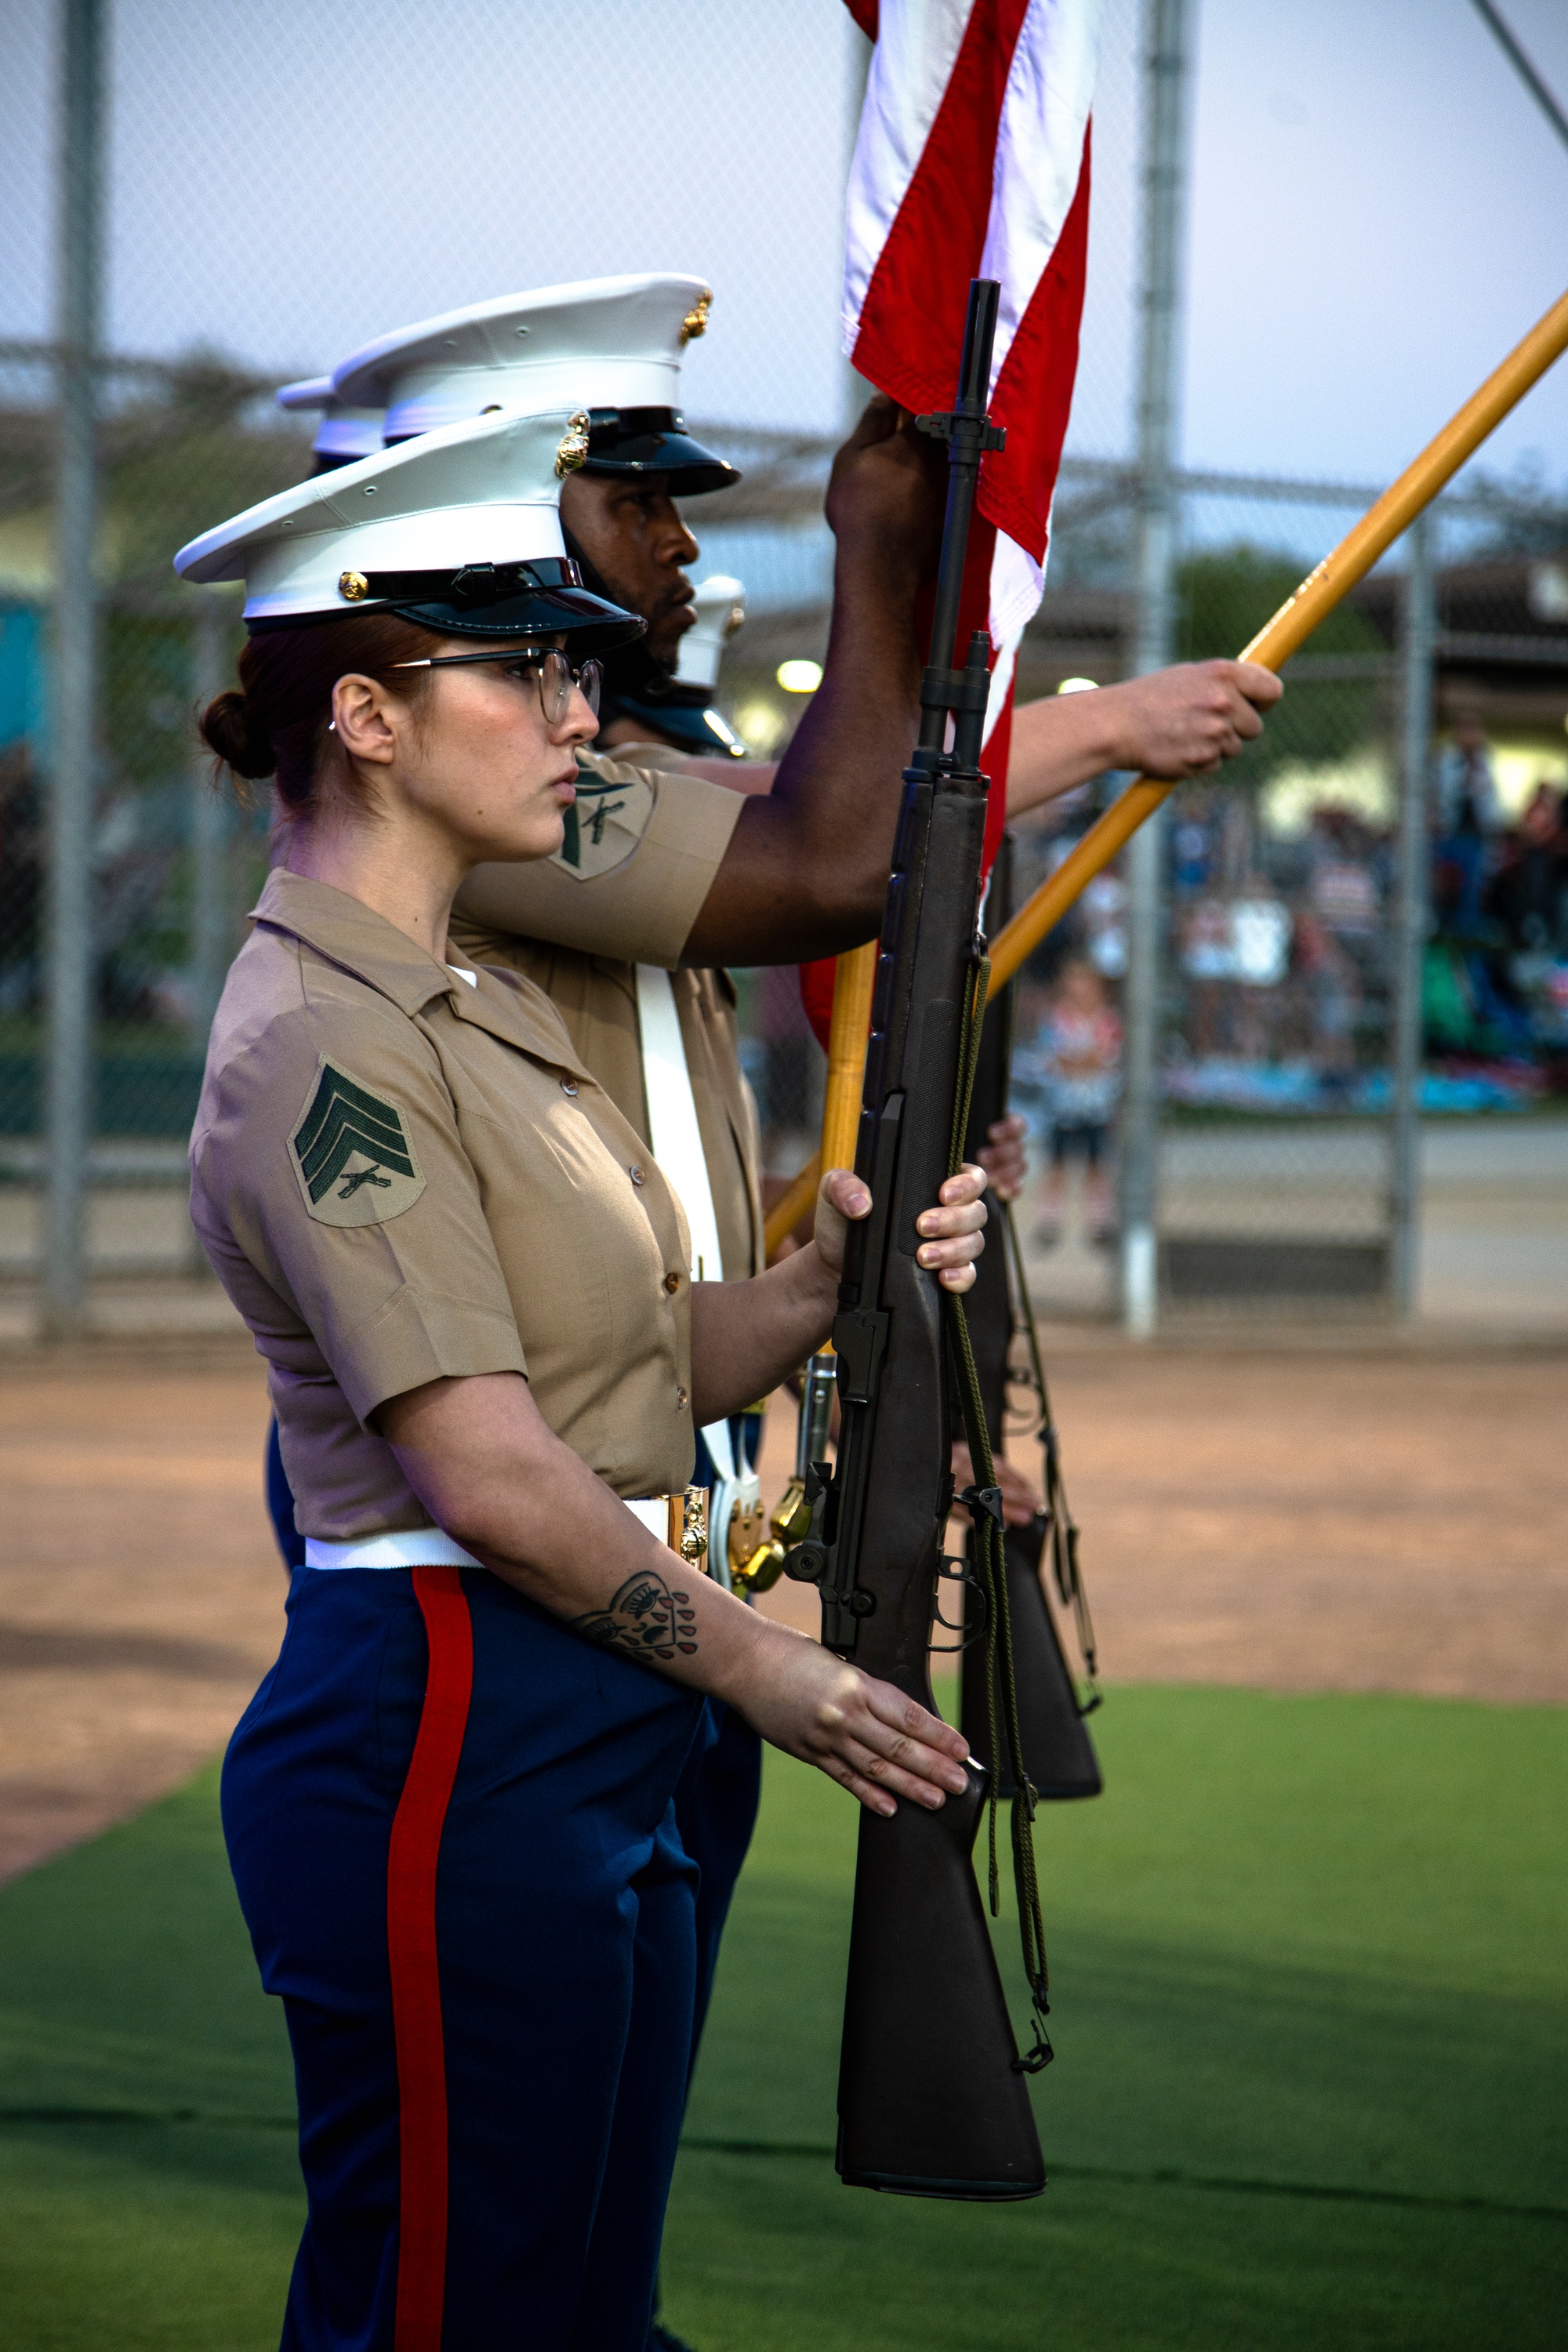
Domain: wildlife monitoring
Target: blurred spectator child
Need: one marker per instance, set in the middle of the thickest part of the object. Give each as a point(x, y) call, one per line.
point(1104, 904)
point(1468, 819)
point(1260, 954)
point(1528, 897)
point(1191, 851)
point(1081, 1044)
point(1333, 989)
point(1208, 960)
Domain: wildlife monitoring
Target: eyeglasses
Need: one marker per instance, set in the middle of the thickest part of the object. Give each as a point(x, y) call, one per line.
point(557, 677)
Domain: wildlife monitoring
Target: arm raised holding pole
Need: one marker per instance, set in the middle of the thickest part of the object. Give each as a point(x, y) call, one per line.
point(1273, 645)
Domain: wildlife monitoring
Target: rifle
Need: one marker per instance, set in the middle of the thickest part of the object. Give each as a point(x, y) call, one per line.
point(1058, 1754)
point(932, 2095)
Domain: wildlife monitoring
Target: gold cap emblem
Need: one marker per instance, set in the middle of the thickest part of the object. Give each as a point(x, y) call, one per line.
point(695, 323)
point(353, 585)
point(574, 449)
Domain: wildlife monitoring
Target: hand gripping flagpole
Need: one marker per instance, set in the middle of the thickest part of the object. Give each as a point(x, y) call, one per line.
point(1317, 596)
point(1383, 523)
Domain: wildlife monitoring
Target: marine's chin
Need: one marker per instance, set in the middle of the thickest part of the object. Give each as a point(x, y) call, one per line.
point(539, 835)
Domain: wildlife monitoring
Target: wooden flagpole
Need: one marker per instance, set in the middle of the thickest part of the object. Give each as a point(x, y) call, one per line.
point(854, 977)
point(1372, 537)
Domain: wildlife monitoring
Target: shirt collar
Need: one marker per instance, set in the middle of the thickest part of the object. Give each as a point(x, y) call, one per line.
point(354, 936)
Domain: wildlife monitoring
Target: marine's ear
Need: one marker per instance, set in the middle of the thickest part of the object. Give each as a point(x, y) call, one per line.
point(362, 718)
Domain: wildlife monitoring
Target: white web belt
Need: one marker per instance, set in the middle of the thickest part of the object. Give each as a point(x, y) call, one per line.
point(429, 1547)
point(676, 1141)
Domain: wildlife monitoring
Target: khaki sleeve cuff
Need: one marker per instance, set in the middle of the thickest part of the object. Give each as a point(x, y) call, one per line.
point(638, 911)
point(418, 1336)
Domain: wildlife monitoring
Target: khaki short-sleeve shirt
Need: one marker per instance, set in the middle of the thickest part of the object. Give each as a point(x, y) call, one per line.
point(398, 1176)
point(596, 997)
point(643, 845)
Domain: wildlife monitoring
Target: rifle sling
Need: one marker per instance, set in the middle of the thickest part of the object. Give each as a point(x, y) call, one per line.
point(1000, 1681)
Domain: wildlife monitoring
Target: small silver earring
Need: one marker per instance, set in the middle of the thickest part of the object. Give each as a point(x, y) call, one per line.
point(332, 726)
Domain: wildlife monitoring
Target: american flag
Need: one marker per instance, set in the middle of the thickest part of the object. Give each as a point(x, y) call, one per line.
point(974, 162)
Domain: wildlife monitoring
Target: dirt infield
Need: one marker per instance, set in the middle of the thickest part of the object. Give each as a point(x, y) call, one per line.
point(1330, 1520)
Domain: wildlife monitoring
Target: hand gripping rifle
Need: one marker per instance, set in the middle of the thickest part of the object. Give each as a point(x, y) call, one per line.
point(932, 2095)
point(1058, 1755)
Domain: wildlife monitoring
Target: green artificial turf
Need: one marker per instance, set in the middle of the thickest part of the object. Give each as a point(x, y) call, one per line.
point(1308, 2007)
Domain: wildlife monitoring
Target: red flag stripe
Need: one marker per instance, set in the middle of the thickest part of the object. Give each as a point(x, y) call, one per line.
point(912, 321)
point(1033, 391)
point(411, 1863)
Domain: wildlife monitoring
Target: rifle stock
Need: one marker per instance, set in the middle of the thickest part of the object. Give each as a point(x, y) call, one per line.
point(927, 2103)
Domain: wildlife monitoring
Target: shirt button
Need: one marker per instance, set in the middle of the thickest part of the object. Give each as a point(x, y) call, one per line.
point(567, 1087)
point(637, 1176)
point(672, 1283)
point(680, 1399)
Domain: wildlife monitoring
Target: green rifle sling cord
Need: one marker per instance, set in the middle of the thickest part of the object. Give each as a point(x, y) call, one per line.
point(989, 1533)
point(1065, 1570)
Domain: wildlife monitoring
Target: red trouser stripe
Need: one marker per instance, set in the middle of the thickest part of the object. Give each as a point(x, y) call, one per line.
point(416, 1967)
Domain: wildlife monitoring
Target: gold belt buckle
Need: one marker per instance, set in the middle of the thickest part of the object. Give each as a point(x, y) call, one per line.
point(689, 1526)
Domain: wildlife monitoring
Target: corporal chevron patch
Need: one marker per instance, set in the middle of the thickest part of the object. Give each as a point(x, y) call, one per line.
point(352, 1154)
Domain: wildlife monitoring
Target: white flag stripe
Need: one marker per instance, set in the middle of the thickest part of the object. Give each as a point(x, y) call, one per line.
point(1039, 152)
point(1002, 670)
point(1017, 584)
point(1037, 165)
point(918, 42)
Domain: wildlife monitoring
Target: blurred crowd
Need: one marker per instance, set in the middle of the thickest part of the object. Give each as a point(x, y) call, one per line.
point(1497, 964)
point(1279, 967)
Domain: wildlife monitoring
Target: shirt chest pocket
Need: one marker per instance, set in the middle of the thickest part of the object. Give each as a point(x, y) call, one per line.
point(583, 1263)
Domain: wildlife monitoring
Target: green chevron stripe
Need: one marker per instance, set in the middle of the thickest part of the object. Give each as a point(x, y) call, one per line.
point(343, 1120)
point(335, 1087)
point(374, 1137)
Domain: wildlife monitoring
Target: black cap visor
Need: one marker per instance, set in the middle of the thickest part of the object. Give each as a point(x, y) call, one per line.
point(592, 624)
point(545, 598)
point(655, 441)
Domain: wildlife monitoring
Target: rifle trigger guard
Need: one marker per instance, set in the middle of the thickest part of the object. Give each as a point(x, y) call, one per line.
point(956, 1568)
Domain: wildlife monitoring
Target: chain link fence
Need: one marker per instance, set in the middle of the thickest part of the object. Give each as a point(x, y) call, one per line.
point(393, 174)
point(1280, 969)
point(276, 187)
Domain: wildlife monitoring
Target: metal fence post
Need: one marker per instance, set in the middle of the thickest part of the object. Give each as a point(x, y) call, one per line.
point(73, 717)
point(1164, 185)
point(1410, 913)
point(211, 915)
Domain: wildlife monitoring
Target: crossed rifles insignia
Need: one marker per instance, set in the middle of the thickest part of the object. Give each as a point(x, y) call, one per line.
point(605, 824)
point(352, 1154)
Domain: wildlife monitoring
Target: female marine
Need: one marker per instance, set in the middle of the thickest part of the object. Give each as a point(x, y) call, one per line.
point(449, 1805)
